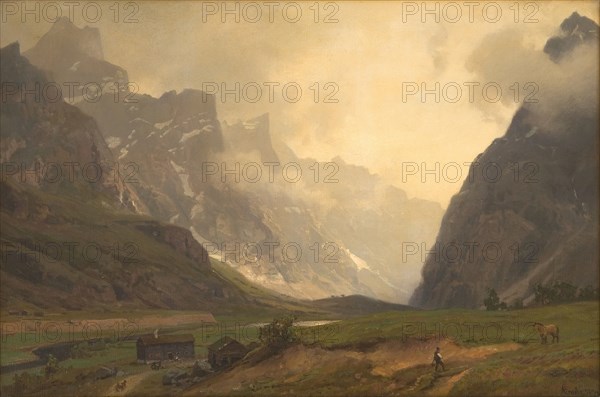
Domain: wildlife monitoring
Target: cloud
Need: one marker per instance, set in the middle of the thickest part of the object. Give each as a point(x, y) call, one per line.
point(437, 46)
point(368, 54)
point(554, 88)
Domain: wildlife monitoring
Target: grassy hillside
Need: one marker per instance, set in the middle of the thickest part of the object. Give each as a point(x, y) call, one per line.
point(390, 354)
point(86, 256)
point(379, 354)
point(80, 253)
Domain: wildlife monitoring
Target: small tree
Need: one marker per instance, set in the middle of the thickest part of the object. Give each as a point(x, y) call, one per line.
point(543, 295)
point(492, 302)
point(563, 292)
point(278, 332)
point(557, 292)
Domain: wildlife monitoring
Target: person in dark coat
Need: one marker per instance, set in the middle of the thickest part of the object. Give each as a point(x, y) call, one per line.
point(437, 359)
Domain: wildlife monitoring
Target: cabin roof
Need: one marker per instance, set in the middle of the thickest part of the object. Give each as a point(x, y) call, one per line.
point(224, 342)
point(150, 340)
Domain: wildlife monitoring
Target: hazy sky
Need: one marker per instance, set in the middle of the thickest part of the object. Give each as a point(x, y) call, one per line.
point(371, 55)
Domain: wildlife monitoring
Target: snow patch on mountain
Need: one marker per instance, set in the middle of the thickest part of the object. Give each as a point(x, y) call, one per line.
point(75, 66)
point(124, 152)
point(249, 125)
point(113, 141)
point(184, 177)
point(359, 262)
point(189, 135)
point(196, 210)
point(160, 126)
point(214, 252)
point(140, 120)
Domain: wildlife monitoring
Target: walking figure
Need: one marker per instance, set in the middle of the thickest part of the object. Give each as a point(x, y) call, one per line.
point(437, 359)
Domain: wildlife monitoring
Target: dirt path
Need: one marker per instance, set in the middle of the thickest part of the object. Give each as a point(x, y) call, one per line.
point(132, 382)
point(395, 356)
point(442, 388)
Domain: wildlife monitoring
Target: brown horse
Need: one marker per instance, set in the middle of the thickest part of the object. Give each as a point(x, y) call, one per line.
point(545, 330)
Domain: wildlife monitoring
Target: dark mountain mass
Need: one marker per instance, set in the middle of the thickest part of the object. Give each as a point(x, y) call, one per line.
point(574, 30)
point(78, 241)
point(537, 222)
point(50, 143)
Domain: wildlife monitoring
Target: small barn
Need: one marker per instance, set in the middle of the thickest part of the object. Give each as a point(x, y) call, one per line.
point(225, 352)
point(164, 347)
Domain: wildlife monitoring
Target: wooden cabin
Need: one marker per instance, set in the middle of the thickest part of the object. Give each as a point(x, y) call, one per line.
point(225, 352)
point(164, 347)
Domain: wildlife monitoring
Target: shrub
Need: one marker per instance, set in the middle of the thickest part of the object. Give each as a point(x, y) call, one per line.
point(492, 302)
point(278, 332)
point(563, 292)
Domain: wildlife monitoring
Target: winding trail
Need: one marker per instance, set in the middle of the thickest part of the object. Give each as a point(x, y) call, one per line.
point(132, 382)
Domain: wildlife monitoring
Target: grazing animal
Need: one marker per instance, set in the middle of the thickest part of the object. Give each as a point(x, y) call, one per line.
point(121, 385)
point(545, 330)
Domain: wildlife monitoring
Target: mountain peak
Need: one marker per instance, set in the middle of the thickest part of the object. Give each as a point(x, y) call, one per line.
point(63, 22)
point(579, 23)
point(545, 215)
point(67, 41)
point(574, 30)
point(12, 50)
point(74, 54)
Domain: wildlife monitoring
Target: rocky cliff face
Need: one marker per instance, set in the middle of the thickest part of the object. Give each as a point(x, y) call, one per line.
point(533, 217)
point(76, 240)
point(165, 140)
point(51, 144)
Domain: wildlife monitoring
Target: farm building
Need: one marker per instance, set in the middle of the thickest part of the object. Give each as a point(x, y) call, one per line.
point(225, 352)
point(164, 347)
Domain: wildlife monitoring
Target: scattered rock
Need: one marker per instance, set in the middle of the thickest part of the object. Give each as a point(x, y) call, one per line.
point(173, 377)
point(105, 372)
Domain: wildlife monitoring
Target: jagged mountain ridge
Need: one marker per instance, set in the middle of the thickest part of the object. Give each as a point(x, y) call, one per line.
point(48, 226)
point(172, 137)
